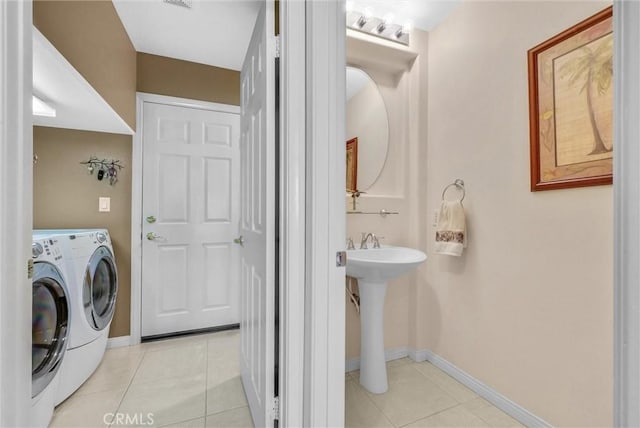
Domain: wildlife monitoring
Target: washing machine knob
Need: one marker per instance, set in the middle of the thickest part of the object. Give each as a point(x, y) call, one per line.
point(101, 237)
point(36, 250)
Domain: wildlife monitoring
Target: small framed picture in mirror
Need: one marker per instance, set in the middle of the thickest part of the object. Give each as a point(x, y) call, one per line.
point(352, 164)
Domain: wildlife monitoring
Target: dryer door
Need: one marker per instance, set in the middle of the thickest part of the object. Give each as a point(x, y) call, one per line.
point(100, 289)
point(49, 325)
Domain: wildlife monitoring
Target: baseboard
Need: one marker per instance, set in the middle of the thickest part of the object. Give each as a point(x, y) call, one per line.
point(118, 342)
point(390, 354)
point(500, 401)
point(419, 355)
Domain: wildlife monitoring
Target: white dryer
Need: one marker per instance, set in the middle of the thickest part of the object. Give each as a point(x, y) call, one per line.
point(49, 327)
point(92, 294)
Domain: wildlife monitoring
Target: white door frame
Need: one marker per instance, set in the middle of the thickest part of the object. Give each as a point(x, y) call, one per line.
point(626, 196)
point(16, 152)
point(292, 211)
point(136, 194)
point(325, 214)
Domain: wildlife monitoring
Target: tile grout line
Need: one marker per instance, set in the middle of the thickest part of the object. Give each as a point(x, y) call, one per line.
point(445, 378)
point(428, 380)
point(181, 422)
point(366, 394)
point(489, 423)
point(442, 390)
point(431, 415)
point(206, 386)
point(228, 410)
point(144, 353)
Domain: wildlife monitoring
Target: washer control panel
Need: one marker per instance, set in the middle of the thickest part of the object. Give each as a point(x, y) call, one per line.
point(36, 250)
point(46, 246)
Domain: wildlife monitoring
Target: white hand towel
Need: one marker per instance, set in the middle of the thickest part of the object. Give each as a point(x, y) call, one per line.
point(451, 231)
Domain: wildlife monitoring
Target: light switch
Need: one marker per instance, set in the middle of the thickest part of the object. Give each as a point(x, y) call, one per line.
point(104, 205)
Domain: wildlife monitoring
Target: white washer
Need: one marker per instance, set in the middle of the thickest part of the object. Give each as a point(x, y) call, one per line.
point(50, 327)
point(92, 294)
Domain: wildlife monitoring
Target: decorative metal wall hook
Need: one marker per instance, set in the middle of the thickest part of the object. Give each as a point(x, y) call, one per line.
point(108, 168)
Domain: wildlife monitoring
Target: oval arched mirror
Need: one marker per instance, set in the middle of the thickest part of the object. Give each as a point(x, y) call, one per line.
point(367, 130)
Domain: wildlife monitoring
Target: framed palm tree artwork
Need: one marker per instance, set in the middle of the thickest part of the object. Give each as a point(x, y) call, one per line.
point(571, 106)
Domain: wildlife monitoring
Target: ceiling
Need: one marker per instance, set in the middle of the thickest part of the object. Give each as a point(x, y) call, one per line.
point(217, 32)
point(213, 32)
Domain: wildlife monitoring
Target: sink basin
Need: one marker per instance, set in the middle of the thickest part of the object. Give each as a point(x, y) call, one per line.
point(373, 268)
point(382, 264)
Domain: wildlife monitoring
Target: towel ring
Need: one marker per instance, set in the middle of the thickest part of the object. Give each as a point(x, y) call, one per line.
point(458, 184)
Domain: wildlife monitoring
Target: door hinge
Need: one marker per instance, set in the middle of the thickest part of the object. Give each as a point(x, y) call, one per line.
point(276, 409)
point(30, 268)
point(341, 259)
point(277, 46)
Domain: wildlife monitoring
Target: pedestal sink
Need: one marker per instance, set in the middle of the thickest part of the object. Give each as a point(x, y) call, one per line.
point(374, 268)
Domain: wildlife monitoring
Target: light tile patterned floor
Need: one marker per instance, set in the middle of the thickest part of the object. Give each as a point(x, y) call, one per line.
point(185, 382)
point(419, 395)
point(194, 382)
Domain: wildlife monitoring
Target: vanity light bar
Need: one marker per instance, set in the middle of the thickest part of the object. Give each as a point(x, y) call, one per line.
point(384, 28)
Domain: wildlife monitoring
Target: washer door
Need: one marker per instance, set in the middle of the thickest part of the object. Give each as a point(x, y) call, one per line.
point(100, 289)
point(49, 325)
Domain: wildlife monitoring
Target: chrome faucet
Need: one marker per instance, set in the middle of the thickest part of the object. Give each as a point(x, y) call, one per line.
point(365, 238)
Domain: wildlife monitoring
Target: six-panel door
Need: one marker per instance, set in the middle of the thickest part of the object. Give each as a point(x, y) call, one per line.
point(191, 200)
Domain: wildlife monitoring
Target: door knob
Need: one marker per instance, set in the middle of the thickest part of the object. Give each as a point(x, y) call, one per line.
point(239, 240)
point(151, 219)
point(153, 237)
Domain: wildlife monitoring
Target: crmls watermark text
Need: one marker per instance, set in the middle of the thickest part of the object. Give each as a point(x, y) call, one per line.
point(139, 419)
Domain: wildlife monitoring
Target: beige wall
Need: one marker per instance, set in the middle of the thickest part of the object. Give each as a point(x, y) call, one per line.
point(528, 308)
point(66, 196)
point(391, 191)
point(90, 35)
point(177, 78)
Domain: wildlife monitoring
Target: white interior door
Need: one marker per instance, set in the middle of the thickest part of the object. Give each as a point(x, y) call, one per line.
point(190, 210)
point(257, 224)
point(15, 212)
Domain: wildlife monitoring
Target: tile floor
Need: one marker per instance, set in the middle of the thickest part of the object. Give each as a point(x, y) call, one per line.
point(194, 382)
point(419, 395)
point(189, 382)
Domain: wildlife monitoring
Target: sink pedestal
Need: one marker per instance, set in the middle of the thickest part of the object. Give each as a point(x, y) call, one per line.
point(374, 268)
point(373, 368)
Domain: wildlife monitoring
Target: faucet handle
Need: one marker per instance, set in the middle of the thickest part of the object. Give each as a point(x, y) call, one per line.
point(350, 245)
point(363, 241)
